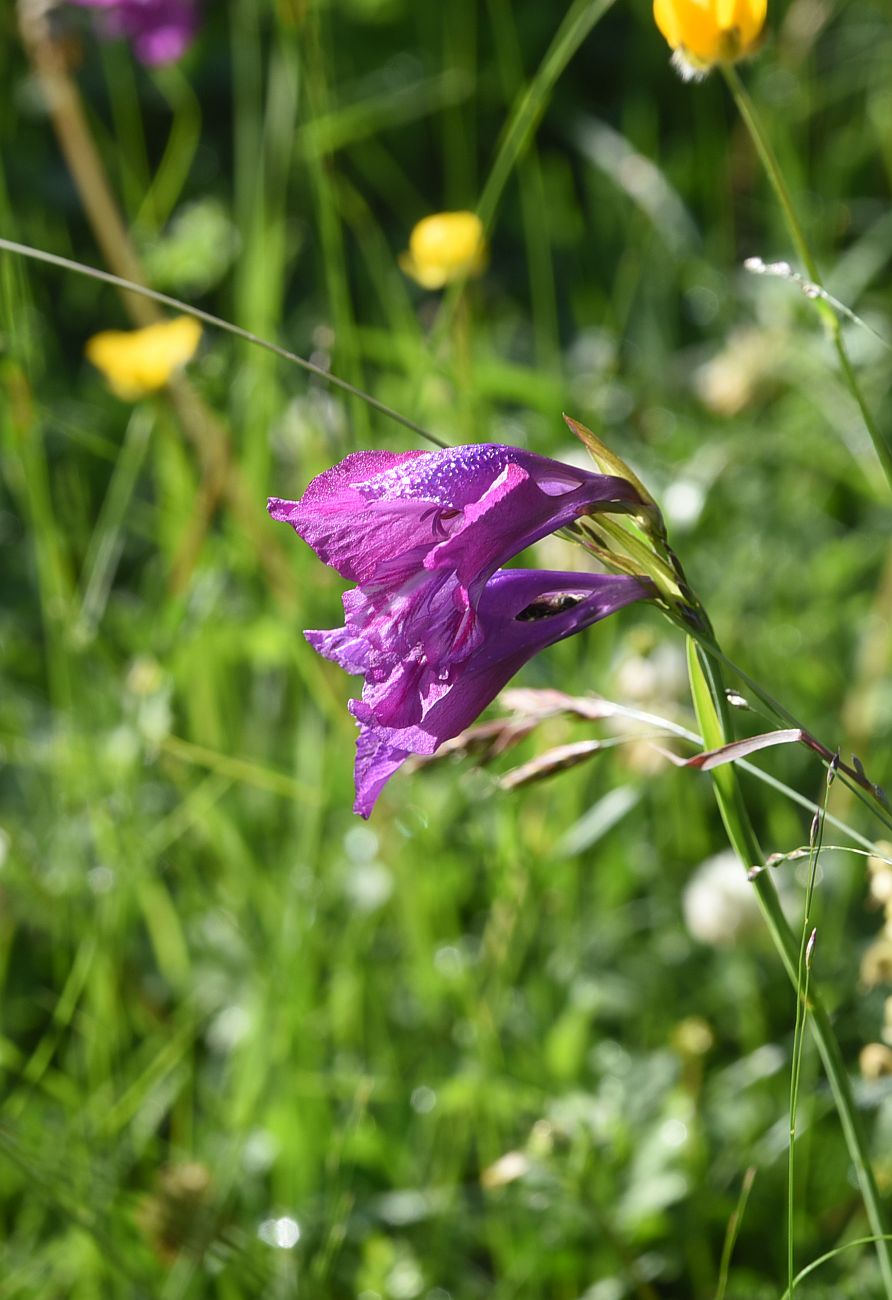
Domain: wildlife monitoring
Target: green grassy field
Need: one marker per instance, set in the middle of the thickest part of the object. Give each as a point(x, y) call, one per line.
point(488, 1044)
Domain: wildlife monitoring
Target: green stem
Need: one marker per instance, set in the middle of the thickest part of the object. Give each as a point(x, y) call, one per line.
point(580, 18)
point(803, 980)
point(712, 714)
point(858, 783)
point(773, 171)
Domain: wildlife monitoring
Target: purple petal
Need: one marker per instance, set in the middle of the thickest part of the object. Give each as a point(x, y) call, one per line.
point(376, 514)
point(341, 524)
point(416, 707)
point(421, 532)
point(348, 651)
point(376, 762)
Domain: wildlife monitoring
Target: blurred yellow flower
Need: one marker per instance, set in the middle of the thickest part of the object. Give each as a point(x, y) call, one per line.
point(875, 1061)
point(704, 32)
point(445, 247)
point(137, 362)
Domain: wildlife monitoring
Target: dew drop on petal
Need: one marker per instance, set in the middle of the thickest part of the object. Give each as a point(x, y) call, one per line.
point(558, 485)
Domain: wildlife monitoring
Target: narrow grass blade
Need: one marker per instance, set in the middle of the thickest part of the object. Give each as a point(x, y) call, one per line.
point(66, 264)
point(710, 705)
point(733, 1231)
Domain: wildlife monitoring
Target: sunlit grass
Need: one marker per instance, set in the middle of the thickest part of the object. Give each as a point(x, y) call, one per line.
point(227, 1005)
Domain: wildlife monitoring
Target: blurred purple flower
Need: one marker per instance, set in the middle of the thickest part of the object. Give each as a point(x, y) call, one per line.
point(159, 30)
point(433, 632)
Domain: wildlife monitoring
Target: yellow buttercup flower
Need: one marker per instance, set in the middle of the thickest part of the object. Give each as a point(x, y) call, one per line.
point(445, 247)
point(704, 32)
point(137, 362)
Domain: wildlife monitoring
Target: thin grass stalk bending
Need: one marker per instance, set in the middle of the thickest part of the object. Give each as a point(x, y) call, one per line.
point(833, 1254)
point(803, 978)
point(852, 777)
point(733, 1231)
point(217, 322)
point(711, 708)
point(774, 172)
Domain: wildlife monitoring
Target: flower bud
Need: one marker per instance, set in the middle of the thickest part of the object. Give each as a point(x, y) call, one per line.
point(445, 247)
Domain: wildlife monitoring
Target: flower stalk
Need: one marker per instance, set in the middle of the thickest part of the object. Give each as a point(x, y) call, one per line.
point(652, 557)
point(711, 708)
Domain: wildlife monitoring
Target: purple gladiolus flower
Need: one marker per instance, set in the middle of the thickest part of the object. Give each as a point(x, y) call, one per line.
point(432, 626)
point(159, 30)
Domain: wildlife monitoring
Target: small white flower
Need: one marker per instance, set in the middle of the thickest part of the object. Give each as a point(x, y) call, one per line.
point(719, 903)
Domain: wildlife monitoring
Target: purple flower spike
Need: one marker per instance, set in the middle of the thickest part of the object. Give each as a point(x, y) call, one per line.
point(432, 626)
point(160, 30)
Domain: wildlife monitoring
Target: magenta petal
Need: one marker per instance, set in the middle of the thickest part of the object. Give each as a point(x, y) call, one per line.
point(514, 509)
point(162, 45)
point(376, 762)
point(359, 468)
point(415, 708)
point(377, 539)
point(376, 515)
point(348, 651)
point(351, 527)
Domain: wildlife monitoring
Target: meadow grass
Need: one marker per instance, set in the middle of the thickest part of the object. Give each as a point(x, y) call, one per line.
point(231, 1012)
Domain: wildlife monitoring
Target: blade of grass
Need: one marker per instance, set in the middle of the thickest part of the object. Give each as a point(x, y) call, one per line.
point(803, 977)
point(533, 201)
point(238, 769)
point(832, 1254)
point(711, 707)
point(172, 173)
point(578, 22)
point(324, 182)
point(66, 264)
point(733, 1231)
point(265, 122)
point(774, 172)
point(524, 118)
point(107, 540)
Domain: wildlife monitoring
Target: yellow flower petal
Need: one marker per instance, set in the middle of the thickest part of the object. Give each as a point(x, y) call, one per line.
point(137, 362)
point(445, 247)
point(749, 19)
point(710, 31)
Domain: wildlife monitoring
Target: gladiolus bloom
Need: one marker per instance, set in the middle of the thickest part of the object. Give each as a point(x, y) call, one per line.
point(445, 247)
point(435, 626)
point(705, 32)
point(138, 362)
point(160, 30)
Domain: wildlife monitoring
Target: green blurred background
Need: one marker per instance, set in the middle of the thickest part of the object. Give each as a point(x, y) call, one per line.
point(250, 1045)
